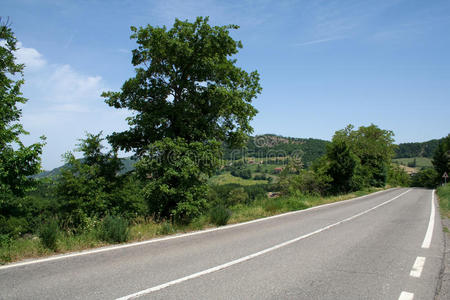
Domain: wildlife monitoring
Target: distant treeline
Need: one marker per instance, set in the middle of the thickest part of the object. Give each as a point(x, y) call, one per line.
point(424, 149)
point(270, 146)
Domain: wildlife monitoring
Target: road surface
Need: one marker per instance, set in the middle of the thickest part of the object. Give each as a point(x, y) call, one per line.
point(384, 246)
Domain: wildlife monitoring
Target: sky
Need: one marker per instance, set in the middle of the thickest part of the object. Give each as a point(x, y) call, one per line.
point(323, 64)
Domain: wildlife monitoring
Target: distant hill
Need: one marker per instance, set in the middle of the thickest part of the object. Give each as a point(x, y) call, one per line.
point(127, 162)
point(267, 145)
point(424, 149)
point(271, 145)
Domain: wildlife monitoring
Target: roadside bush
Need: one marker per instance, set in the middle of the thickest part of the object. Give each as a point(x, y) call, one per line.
point(48, 233)
point(309, 182)
point(237, 196)
point(219, 215)
point(398, 177)
point(114, 229)
point(426, 178)
point(166, 228)
point(273, 204)
point(444, 198)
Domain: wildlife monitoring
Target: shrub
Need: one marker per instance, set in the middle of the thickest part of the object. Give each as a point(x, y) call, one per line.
point(166, 228)
point(236, 196)
point(114, 229)
point(273, 204)
point(426, 178)
point(219, 215)
point(48, 233)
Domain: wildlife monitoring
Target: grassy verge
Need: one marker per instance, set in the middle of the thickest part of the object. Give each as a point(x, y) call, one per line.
point(443, 193)
point(143, 229)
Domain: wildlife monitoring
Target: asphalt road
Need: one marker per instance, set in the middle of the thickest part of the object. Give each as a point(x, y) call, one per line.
point(376, 247)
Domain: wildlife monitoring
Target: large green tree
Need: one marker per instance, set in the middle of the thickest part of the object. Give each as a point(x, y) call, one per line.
point(342, 164)
point(17, 161)
point(186, 86)
point(187, 90)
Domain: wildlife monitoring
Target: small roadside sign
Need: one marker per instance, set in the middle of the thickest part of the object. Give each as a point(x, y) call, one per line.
point(445, 176)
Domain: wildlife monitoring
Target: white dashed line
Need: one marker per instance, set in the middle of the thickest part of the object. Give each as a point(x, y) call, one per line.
point(417, 267)
point(406, 296)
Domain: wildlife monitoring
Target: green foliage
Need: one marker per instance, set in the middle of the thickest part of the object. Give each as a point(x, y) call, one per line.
point(397, 176)
point(443, 193)
point(421, 162)
point(176, 173)
point(413, 163)
point(48, 234)
point(310, 182)
point(441, 158)
point(342, 164)
point(91, 187)
point(242, 173)
point(274, 146)
point(17, 161)
point(166, 228)
point(189, 97)
point(186, 86)
point(373, 148)
point(114, 229)
point(425, 178)
point(219, 215)
point(285, 203)
point(237, 196)
point(233, 194)
point(410, 150)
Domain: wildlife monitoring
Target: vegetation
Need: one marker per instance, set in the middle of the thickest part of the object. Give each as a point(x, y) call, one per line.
point(114, 230)
point(17, 161)
point(192, 109)
point(219, 215)
point(414, 162)
point(410, 150)
point(48, 234)
point(189, 97)
point(443, 193)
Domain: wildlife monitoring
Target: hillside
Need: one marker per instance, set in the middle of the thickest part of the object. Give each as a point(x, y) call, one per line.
point(270, 145)
point(424, 149)
point(127, 162)
point(263, 146)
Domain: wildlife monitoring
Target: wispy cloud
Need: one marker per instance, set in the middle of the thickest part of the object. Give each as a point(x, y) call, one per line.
point(320, 41)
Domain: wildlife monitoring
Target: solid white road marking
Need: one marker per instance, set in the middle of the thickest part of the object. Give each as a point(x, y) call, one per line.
point(417, 267)
point(251, 256)
point(116, 247)
point(429, 235)
point(406, 296)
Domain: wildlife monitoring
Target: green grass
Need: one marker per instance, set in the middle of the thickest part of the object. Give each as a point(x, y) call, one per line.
point(443, 193)
point(421, 162)
point(144, 229)
point(227, 178)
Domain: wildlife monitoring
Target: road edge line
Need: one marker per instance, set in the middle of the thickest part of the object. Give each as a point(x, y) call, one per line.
point(176, 236)
point(253, 255)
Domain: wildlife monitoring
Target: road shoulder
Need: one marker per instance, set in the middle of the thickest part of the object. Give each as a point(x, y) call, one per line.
point(443, 289)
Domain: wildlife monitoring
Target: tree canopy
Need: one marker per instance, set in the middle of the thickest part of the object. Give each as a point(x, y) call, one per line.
point(188, 96)
point(17, 161)
point(186, 86)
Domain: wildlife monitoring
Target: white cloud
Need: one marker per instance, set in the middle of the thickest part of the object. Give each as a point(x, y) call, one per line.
point(63, 104)
point(32, 59)
point(65, 85)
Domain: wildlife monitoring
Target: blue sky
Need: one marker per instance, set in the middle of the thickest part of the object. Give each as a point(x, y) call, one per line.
point(323, 64)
